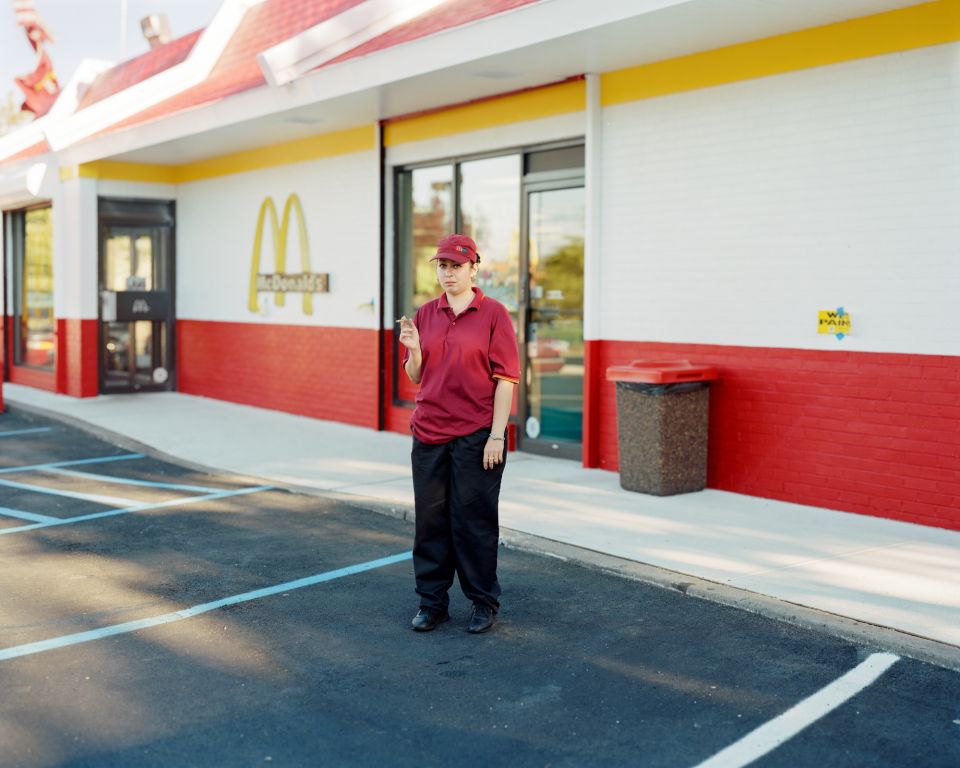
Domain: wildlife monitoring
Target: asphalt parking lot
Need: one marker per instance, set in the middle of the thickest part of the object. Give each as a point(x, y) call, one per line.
point(155, 615)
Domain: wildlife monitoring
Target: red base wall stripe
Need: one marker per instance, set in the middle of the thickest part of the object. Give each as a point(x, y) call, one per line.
point(33, 377)
point(77, 357)
point(324, 373)
point(75, 367)
point(872, 433)
point(396, 417)
point(3, 356)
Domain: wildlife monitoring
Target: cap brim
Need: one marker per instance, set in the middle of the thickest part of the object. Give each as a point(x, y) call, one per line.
point(460, 258)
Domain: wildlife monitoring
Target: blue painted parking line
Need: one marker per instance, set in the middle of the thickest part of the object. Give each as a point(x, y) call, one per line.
point(21, 515)
point(134, 626)
point(32, 431)
point(113, 501)
point(136, 508)
point(74, 462)
point(131, 481)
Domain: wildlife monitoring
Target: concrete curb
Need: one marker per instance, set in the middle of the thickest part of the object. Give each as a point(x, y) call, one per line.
point(876, 636)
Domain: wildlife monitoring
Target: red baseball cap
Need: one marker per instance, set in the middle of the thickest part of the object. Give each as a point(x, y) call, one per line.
point(459, 248)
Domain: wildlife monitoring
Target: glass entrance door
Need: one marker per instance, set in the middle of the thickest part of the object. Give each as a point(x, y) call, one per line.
point(135, 306)
point(551, 398)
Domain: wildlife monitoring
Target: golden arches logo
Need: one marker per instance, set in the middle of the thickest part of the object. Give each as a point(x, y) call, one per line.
point(279, 282)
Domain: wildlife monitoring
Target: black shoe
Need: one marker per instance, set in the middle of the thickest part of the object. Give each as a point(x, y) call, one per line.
point(481, 619)
point(429, 618)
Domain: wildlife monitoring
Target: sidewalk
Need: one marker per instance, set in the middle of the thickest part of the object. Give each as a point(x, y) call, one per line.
point(886, 573)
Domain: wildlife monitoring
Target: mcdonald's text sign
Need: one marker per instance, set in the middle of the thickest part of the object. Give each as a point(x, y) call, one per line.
point(280, 282)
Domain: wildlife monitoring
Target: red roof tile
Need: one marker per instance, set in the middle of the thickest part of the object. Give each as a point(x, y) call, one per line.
point(262, 27)
point(451, 14)
point(40, 148)
point(275, 21)
point(137, 70)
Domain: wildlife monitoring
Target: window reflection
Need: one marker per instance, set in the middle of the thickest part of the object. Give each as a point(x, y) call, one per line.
point(37, 329)
point(118, 264)
point(128, 263)
point(426, 216)
point(555, 331)
point(490, 214)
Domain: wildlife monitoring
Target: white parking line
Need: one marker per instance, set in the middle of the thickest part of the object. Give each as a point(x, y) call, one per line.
point(110, 501)
point(771, 735)
point(32, 431)
point(131, 481)
point(21, 515)
point(133, 626)
point(72, 463)
point(137, 508)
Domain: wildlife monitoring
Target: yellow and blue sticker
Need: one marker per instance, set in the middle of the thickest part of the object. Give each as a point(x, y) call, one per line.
point(834, 321)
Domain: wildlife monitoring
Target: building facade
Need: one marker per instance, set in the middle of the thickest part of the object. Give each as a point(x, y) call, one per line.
point(772, 193)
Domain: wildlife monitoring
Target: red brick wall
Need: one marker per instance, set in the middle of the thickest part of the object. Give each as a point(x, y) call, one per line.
point(396, 417)
point(77, 357)
point(33, 377)
point(877, 434)
point(324, 373)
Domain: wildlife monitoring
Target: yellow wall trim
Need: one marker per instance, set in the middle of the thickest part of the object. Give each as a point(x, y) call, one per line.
point(513, 108)
point(117, 171)
point(345, 142)
point(300, 150)
point(918, 26)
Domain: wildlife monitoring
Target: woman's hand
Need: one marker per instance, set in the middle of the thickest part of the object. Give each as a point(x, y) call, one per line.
point(492, 453)
point(410, 338)
point(409, 335)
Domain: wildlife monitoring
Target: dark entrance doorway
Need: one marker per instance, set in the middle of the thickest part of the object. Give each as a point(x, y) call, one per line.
point(136, 295)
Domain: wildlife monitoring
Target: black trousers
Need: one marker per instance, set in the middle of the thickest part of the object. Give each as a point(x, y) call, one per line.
point(458, 529)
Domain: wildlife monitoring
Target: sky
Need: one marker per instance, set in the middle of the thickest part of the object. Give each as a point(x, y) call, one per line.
point(84, 29)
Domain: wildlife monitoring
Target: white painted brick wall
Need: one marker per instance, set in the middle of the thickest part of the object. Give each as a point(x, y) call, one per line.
point(75, 261)
point(730, 215)
point(216, 225)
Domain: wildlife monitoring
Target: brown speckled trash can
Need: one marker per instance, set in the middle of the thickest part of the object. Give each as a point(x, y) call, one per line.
point(662, 419)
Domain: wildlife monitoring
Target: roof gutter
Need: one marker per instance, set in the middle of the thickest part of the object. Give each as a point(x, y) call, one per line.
point(26, 185)
point(509, 31)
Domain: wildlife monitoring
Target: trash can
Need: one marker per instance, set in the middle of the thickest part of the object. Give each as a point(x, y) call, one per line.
point(662, 411)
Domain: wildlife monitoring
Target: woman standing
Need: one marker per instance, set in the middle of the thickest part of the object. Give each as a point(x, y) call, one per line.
point(462, 350)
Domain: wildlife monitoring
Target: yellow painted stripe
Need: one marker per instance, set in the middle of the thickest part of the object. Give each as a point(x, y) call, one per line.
point(345, 142)
point(297, 151)
point(904, 29)
point(117, 171)
point(514, 108)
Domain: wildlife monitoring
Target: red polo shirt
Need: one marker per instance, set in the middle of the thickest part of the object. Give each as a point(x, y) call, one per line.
point(463, 356)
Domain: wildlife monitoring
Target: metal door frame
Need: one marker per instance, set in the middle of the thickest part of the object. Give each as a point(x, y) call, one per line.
point(129, 212)
point(543, 182)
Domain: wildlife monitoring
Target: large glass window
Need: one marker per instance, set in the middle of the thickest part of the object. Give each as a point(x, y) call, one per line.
point(31, 234)
point(490, 214)
point(480, 198)
point(526, 212)
point(426, 215)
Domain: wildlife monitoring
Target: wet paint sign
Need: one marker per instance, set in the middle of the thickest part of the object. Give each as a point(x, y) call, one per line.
point(834, 321)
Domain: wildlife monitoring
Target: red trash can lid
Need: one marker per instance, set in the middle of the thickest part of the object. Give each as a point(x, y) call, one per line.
point(661, 372)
